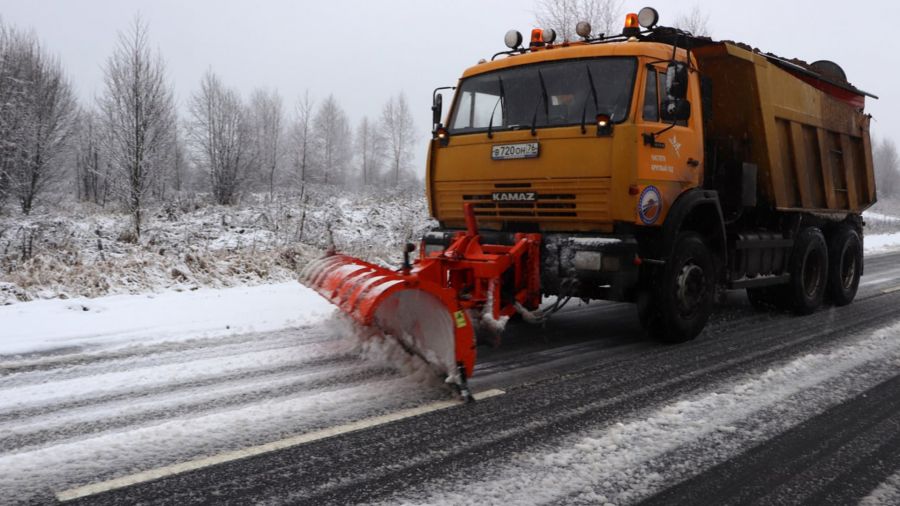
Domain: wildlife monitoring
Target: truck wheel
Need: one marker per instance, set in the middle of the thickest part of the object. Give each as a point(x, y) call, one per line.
point(845, 260)
point(809, 271)
point(685, 294)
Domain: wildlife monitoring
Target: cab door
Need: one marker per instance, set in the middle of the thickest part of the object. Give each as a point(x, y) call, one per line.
point(669, 157)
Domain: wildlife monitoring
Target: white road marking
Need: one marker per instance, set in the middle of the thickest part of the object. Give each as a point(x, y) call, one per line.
point(191, 465)
point(891, 290)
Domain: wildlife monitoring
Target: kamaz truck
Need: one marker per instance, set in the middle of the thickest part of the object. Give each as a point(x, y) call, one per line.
point(652, 167)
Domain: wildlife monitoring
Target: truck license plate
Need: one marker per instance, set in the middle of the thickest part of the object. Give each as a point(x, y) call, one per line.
point(515, 151)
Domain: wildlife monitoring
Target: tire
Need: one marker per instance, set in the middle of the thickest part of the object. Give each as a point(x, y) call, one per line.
point(683, 298)
point(809, 271)
point(845, 262)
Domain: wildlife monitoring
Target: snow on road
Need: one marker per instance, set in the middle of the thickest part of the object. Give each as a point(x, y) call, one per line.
point(92, 389)
point(886, 494)
point(634, 458)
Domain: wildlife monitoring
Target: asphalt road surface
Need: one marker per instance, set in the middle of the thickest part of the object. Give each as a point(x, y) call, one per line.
point(764, 408)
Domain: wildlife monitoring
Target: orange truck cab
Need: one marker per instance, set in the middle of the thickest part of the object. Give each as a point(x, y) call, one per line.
point(659, 168)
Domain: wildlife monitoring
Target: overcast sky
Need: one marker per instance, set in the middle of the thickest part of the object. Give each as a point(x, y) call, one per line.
point(363, 51)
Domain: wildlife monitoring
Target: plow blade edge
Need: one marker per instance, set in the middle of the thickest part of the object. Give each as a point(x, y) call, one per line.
point(423, 317)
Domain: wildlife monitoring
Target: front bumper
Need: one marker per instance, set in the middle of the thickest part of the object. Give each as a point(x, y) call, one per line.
point(590, 266)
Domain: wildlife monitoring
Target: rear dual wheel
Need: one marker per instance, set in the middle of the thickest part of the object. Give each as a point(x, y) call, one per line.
point(818, 269)
point(845, 261)
point(809, 271)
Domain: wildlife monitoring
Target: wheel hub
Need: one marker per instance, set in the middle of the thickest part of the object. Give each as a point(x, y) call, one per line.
point(690, 288)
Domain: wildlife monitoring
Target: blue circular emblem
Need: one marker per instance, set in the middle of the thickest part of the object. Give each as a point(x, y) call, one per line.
point(649, 205)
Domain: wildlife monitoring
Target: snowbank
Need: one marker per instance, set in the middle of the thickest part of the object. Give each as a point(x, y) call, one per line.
point(882, 243)
point(107, 321)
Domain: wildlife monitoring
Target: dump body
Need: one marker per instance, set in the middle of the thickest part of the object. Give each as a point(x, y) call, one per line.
point(811, 146)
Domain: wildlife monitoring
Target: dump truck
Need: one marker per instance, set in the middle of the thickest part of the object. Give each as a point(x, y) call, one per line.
point(652, 167)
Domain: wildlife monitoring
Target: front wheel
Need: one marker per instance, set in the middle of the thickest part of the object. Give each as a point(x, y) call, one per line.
point(684, 296)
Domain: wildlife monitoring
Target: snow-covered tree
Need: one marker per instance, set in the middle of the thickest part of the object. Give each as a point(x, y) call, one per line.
point(369, 151)
point(267, 121)
point(138, 117)
point(332, 137)
point(399, 136)
point(301, 138)
point(220, 135)
point(92, 172)
point(605, 16)
point(887, 168)
point(695, 22)
point(37, 111)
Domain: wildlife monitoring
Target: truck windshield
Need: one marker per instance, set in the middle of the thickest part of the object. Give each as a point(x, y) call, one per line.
point(514, 98)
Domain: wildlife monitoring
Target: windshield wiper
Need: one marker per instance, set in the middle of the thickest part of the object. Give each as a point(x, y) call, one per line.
point(594, 93)
point(500, 99)
point(546, 104)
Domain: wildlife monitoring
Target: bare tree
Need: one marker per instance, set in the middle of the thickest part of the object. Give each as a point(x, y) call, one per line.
point(695, 22)
point(332, 138)
point(92, 173)
point(887, 168)
point(562, 15)
point(138, 116)
point(370, 150)
point(301, 137)
point(267, 117)
point(400, 135)
point(37, 117)
point(179, 173)
point(220, 135)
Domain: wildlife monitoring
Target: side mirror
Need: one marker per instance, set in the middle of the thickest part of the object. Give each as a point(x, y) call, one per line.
point(677, 109)
point(677, 80)
point(436, 108)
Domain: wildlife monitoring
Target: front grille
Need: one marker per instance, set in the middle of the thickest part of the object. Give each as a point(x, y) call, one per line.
point(583, 200)
point(549, 205)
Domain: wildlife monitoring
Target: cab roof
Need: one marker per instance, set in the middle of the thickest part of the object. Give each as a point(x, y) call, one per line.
point(575, 50)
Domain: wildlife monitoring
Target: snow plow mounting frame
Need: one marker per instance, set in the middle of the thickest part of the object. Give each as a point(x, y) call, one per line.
point(467, 281)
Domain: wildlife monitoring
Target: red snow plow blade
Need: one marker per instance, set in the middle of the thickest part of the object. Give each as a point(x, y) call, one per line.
point(429, 306)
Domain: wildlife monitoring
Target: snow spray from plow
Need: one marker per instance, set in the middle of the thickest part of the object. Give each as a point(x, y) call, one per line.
point(429, 306)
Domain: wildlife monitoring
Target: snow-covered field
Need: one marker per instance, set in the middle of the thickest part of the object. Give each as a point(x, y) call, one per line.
point(81, 250)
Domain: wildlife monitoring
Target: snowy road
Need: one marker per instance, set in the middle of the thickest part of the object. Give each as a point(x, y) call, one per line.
point(761, 406)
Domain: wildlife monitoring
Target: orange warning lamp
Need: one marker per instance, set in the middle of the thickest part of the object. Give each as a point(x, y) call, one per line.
point(537, 37)
point(632, 26)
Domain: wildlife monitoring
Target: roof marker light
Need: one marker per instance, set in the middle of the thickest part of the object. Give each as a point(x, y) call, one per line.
point(549, 35)
point(648, 17)
point(512, 39)
point(583, 29)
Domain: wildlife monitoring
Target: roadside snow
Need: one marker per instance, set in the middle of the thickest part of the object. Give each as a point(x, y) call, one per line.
point(82, 322)
point(869, 215)
point(882, 243)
